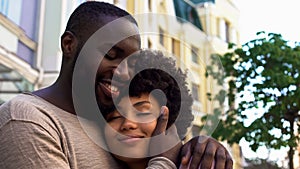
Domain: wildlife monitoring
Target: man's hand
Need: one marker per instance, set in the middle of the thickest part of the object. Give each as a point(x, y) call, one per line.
point(205, 152)
point(167, 144)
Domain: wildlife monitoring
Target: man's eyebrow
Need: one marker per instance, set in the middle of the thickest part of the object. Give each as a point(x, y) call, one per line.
point(117, 48)
point(110, 46)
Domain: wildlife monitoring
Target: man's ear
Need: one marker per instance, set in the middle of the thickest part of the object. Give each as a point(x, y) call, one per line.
point(69, 44)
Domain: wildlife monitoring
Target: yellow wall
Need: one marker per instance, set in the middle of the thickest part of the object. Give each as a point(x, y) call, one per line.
point(187, 35)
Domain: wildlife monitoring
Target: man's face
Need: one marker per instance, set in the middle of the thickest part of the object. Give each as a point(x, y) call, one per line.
point(116, 63)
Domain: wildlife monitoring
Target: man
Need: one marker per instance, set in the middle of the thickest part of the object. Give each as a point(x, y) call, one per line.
point(42, 130)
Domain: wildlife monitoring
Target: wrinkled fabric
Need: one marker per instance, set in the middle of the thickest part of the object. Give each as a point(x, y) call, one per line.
point(35, 134)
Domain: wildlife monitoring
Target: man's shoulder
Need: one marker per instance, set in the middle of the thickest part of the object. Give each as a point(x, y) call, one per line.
point(21, 103)
point(19, 100)
point(27, 108)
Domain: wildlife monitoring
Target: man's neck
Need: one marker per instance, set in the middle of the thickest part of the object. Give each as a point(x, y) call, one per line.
point(58, 96)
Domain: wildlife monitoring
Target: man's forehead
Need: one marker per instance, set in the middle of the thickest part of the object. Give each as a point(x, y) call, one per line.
point(129, 44)
point(122, 24)
point(117, 30)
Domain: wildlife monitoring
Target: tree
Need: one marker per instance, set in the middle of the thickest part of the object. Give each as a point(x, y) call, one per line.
point(263, 81)
point(261, 164)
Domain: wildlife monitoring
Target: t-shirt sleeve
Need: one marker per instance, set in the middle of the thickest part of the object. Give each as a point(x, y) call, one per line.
point(160, 163)
point(26, 144)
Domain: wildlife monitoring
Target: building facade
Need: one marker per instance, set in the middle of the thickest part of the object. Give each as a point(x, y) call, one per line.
point(30, 55)
point(189, 30)
point(18, 47)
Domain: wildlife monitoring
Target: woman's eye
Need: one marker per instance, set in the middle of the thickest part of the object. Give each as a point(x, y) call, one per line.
point(143, 114)
point(113, 118)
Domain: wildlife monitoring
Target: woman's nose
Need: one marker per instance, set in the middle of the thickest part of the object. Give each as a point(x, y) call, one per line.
point(128, 124)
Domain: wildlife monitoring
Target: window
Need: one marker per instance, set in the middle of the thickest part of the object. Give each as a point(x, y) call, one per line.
point(191, 16)
point(11, 9)
point(149, 44)
point(176, 47)
point(4, 7)
point(161, 36)
point(195, 92)
point(224, 30)
point(194, 52)
point(227, 31)
point(233, 35)
point(150, 5)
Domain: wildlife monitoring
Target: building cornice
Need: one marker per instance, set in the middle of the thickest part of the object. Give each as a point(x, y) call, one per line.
point(13, 62)
point(16, 30)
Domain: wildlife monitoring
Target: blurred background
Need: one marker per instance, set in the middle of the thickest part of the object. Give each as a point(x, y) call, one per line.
point(30, 58)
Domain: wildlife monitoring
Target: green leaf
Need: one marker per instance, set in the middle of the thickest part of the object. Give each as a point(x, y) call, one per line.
point(268, 69)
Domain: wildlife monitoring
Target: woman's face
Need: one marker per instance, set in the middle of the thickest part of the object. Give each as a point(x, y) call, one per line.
point(134, 120)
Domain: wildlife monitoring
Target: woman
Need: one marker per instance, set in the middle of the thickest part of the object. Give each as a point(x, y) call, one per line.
point(159, 89)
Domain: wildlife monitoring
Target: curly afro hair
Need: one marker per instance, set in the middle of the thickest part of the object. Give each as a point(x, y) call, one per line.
point(161, 73)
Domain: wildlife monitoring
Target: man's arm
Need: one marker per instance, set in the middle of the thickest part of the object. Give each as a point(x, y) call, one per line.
point(29, 145)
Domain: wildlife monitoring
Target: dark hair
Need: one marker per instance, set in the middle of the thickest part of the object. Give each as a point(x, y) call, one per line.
point(89, 14)
point(161, 73)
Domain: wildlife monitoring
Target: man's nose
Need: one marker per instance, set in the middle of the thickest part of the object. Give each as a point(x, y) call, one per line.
point(122, 71)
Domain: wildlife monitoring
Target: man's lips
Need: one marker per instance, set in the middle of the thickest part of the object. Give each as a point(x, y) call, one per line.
point(109, 90)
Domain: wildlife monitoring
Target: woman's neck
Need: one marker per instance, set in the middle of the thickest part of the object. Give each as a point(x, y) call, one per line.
point(139, 164)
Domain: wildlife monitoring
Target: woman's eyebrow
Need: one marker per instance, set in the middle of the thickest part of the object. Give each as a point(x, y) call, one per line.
point(135, 105)
point(141, 103)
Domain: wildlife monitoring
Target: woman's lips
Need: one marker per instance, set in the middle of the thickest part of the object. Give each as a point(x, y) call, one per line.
point(130, 138)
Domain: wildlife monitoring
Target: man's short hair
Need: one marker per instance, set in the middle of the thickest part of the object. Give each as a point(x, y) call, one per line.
point(88, 17)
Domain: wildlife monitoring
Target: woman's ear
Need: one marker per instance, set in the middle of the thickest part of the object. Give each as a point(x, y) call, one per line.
point(69, 44)
point(164, 110)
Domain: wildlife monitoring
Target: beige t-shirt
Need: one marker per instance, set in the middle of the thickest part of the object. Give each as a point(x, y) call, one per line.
point(37, 134)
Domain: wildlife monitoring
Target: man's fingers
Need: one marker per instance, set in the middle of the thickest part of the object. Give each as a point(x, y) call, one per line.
point(203, 139)
point(229, 161)
point(220, 158)
point(207, 156)
point(162, 121)
point(205, 152)
point(197, 155)
point(186, 155)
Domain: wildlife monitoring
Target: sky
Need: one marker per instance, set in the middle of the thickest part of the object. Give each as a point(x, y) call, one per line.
point(271, 16)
